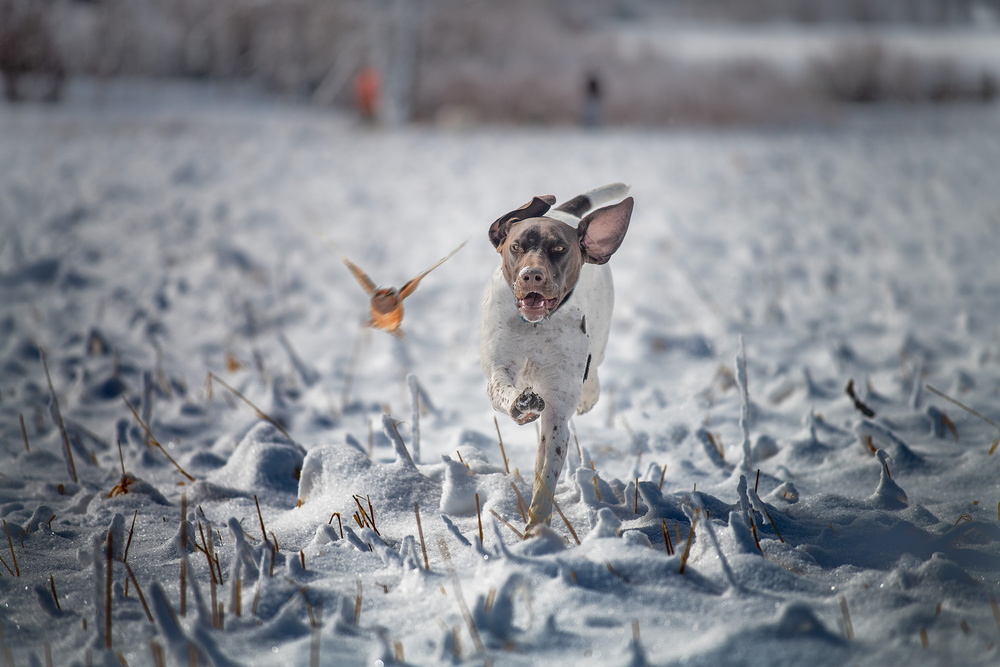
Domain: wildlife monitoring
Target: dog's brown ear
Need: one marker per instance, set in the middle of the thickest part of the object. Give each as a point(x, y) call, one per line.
point(603, 230)
point(534, 208)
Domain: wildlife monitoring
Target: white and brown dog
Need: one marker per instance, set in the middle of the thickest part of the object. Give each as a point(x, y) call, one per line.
point(546, 318)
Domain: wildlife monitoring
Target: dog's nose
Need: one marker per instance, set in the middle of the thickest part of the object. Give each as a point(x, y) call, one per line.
point(531, 275)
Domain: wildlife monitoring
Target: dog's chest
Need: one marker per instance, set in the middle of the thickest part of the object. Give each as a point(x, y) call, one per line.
point(559, 345)
point(560, 339)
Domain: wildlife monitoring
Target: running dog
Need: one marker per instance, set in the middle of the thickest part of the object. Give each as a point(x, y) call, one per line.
point(546, 318)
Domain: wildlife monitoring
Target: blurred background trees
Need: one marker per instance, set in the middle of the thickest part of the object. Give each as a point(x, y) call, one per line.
point(536, 61)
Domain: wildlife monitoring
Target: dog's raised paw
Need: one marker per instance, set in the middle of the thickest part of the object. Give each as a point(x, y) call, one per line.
point(527, 407)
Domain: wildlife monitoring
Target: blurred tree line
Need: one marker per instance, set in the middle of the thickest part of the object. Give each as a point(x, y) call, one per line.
point(510, 61)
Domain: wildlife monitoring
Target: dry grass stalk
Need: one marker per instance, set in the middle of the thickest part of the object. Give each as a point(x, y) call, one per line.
point(479, 518)
point(48, 655)
point(666, 538)
point(184, 504)
point(138, 590)
point(128, 544)
point(17, 570)
point(966, 408)
point(62, 424)
point(519, 534)
point(260, 413)
point(159, 659)
point(339, 524)
point(317, 625)
point(107, 590)
point(122, 486)
point(635, 629)
point(690, 539)
point(858, 404)
point(302, 558)
point(211, 572)
point(371, 512)
point(398, 650)
point(716, 442)
point(663, 473)
point(131, 531)
point(357, 605)
point(636, 510)
point(466, 614)
point(596, 490)
point(576, 440)
point(526, 507)
point(256, 597)
point(490, 598)
point(275, 539)
point(769, 519)
point(147, 401)
point(503, 454)
point(558, 509)
point(848, 626)
point(260, 516)
point(946, 420)
point(753, 530)
point(364, 518)
point(399, 438)
point(309, 607)
point(924, 641)
point(218, 567)
point(420, 531)
point(155, 441)
point(52, 585)
point(24, 432)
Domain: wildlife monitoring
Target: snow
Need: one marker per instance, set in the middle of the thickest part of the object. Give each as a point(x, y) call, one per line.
point(146, 245)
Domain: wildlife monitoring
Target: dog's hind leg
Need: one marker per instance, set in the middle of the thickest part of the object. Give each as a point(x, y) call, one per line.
point(548, 464)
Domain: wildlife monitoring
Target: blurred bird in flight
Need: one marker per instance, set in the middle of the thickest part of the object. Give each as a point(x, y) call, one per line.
point(387, 302)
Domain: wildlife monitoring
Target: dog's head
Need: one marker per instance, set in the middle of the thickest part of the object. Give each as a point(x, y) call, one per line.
point(542, 256)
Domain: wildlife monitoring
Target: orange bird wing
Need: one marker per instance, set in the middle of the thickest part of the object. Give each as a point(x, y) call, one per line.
point(366, 283)
point(411, 286)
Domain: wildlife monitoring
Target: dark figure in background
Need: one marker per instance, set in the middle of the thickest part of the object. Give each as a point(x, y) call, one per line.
point(592, 112)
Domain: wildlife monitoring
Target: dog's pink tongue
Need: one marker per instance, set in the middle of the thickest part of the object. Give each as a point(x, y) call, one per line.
point(534, 300)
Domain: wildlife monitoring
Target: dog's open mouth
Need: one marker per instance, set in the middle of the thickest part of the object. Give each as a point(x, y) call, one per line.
point(534, 307)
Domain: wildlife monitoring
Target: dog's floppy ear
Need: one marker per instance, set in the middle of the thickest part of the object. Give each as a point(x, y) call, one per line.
point(603, 230)
point(534, 208)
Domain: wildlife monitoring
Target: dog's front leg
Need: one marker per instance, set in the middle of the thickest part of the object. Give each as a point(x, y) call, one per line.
point(523, 406)
point(548, 464)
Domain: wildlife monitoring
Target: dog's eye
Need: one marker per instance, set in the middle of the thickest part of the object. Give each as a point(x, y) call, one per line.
point(559, 249)
point(515, 247)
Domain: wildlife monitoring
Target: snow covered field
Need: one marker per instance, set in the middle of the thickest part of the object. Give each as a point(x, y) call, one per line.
point(173, 232)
